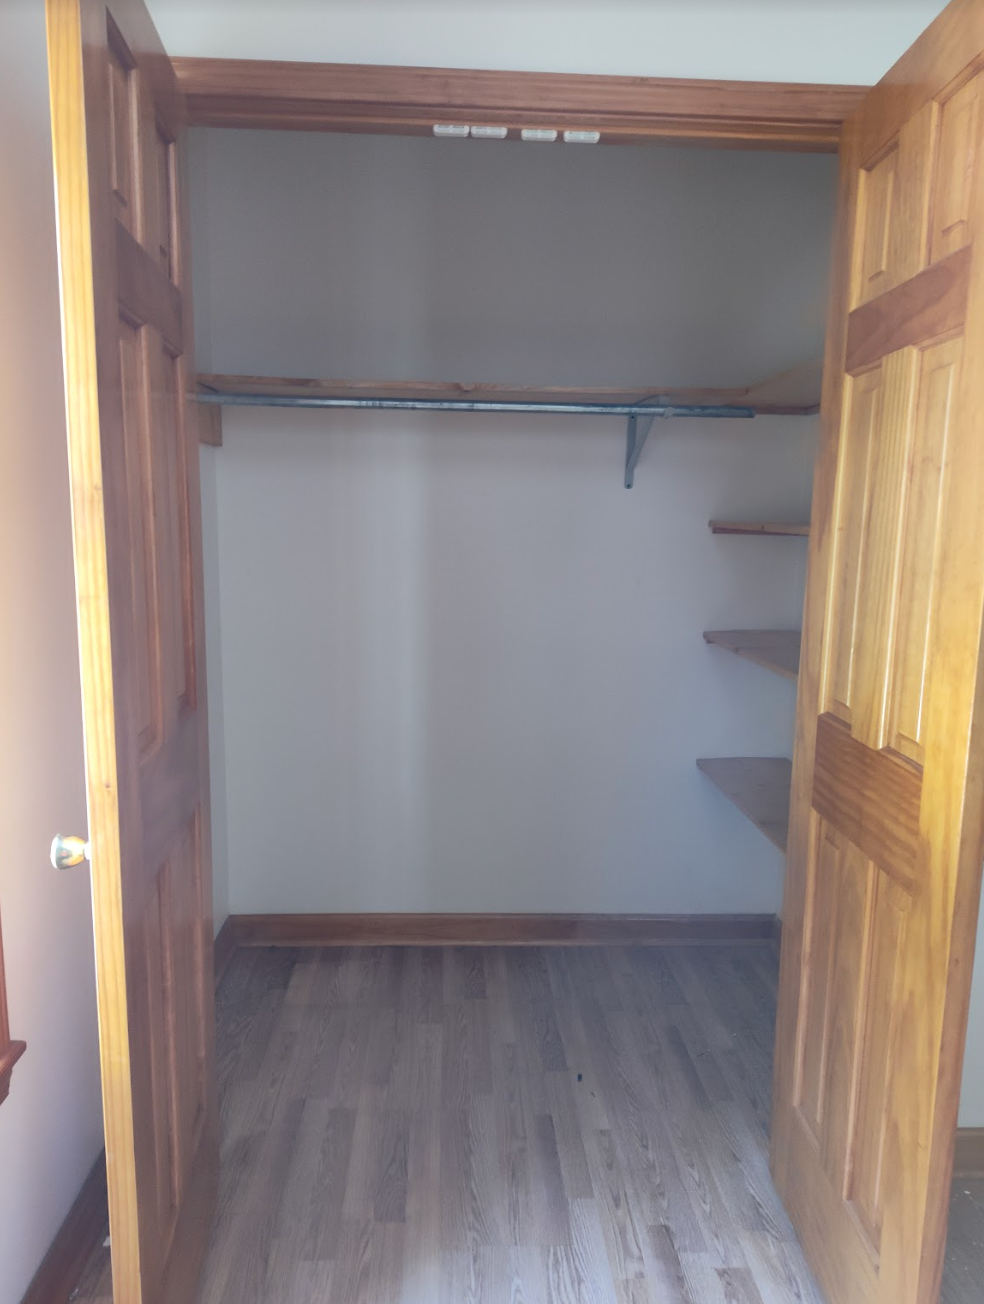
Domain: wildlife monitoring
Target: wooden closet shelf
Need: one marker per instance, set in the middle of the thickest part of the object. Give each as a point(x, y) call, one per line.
point(765, 399)
point(759, 527)
point(759, 787)
point(776, 649)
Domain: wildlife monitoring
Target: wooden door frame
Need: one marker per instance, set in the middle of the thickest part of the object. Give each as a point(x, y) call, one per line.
point(396, 100)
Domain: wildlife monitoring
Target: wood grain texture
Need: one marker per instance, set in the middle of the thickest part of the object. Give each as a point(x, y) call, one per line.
point(84, 1227)
point(758, 786)
point(81, 264)
point(871, 797)
point(413, 1121)
point(495, 930)
point(122, 235)
point(408, 100)
point(876, 956)
point(768, 398)
point(796, 529)
point(582, 1126)
point(10, 1050)
point(775, 649)
point(930, 305)
point(795, 390)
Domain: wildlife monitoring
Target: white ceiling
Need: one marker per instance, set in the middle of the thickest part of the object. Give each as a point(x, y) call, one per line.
point(852, 41)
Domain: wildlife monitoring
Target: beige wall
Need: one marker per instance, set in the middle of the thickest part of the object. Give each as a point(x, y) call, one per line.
point(51, 1124)
point(462, 666)
point(767, 40)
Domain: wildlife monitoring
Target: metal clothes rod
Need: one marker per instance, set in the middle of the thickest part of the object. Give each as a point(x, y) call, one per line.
point(476, 405)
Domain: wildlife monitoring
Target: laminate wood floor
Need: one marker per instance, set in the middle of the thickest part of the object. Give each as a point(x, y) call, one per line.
point(506, 1126)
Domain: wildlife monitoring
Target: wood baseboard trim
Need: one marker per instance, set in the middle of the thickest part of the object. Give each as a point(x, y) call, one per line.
point(65, 1261)
point(968, 1154)
point(225, 946)
point(499, 930)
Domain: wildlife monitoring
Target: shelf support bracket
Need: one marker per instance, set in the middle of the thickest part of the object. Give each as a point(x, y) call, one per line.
point(637, 433)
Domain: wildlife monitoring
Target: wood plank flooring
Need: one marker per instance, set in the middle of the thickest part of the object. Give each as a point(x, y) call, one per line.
point(506, 1126)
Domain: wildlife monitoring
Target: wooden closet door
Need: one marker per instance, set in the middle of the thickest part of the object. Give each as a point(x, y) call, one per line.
point(133, 451)
point(887, 817)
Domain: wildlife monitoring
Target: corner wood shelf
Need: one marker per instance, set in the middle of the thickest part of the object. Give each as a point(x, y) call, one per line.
point(775, 649)
point(759, 787)
point(760, 527)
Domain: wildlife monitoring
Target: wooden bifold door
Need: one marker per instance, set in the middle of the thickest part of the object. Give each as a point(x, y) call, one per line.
point(133, 452)
point(885, 840)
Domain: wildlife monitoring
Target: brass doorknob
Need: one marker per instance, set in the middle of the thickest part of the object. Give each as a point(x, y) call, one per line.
point(66, 852)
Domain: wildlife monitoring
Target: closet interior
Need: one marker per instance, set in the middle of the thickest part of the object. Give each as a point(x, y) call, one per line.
point(483, 676)
point(445, 645)
point(595, 316)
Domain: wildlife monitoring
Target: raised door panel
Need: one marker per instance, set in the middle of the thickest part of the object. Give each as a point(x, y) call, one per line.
point(891, 239)
point(956, 169)
point(920, 557)
point(123, 127)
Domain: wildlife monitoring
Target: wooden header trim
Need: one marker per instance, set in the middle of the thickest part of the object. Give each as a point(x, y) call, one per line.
point(498, 930)
point(259, 93)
